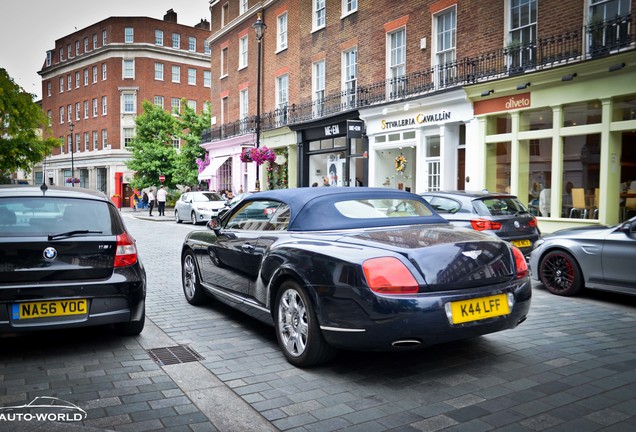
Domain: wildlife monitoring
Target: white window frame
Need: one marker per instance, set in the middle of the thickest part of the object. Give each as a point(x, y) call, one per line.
point(282, 98)
point(77, 79)
point(175, 106)
point(127, 135)
point(224, 52)
point(193, 104)
point(128, 103)
point(86, 109)
point(281, 32)
point(176, 40)
point(129, 35)
point(95, 107)
point(243, 6)
point(192, 44)
point(445, 45)
point(62, 116)
point(94, 74)
point(396, 61)
point(104, 71)
point(159, 37)
point(319, 14)
point(104, 138)
point(48, 88)
point(192, 76)
point(207, 78)
point(158, 101)
point(85, 77)
point(158, 71)
point(243, 46)
point(318, 86)
point(104, 37)
point(128, 69)
point(224, 13)
point(69, 82)
point(350, 76)
point(244, 105)
point(86, 44)
point(176, 74)
point(104, 105)
point(349, 7)
point(61, 84)
point(87, 141)
point(94, 40)
point(95, 141)
point(77, 48)
point(78, 110)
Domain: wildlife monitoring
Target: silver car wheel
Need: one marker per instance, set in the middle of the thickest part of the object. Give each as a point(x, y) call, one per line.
point(292, 326)
point(189, 277)
point(193, 218)
point(176, 216)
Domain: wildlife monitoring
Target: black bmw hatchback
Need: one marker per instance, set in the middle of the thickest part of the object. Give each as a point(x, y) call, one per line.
point(66, 260)
point(498, 214)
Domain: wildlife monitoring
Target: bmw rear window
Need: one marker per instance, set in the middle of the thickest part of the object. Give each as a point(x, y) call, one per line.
point(41, 216)
point(499, 206)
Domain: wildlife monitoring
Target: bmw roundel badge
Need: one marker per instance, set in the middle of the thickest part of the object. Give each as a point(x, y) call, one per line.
point(517, 224)
point(50, 253)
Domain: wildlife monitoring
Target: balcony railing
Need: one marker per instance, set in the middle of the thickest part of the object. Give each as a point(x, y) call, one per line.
point(594, 40)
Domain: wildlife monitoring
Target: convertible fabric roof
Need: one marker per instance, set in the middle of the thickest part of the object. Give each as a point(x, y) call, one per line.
point(313, 208)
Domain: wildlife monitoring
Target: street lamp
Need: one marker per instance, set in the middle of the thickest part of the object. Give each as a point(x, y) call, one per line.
point(259, 27)
point(71, 126)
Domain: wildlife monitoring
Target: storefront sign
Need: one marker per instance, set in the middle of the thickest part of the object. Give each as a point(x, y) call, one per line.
point(505, 103)
point(419, 119)
point(354, 128)
point(332, 130)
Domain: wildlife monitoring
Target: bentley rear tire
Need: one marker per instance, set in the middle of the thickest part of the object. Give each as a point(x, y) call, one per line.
point(192, 288)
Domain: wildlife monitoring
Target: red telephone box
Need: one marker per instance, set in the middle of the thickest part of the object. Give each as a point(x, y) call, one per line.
point(119, 193)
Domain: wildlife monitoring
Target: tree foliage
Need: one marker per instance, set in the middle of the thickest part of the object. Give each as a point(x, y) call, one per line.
point(153, 153)
point(22, 127)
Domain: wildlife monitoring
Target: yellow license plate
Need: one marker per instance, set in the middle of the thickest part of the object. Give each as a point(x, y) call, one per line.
point(47, 309)
point(521, 243)
point(479, 308)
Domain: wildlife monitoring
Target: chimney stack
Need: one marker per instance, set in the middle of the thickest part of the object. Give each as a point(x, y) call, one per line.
point(170, 16)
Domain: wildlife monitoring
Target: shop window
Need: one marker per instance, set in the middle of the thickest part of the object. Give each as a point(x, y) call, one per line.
point(498, 167)
point(408, 135)
point(380, 139)
point(582, 113)
point(581, 170)
point(624, 108)
point(394, 137)
point(538, 153)
point(499, 124)
point(536, 119)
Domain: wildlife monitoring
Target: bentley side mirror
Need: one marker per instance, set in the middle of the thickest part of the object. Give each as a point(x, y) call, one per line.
point(215, 225)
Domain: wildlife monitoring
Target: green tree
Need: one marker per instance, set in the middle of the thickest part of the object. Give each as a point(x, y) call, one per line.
point(22, 127)
point(152, 151)
point(191, 126)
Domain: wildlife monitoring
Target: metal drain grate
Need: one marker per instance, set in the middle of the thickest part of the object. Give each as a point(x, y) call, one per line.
point(174, 355)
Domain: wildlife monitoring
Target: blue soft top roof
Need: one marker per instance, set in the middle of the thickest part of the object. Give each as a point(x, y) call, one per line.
point(313, 209)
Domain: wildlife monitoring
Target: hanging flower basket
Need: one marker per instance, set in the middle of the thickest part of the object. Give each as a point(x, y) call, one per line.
point(72, 180)
point(258, 155)
point(400, 164)
point(246, 155)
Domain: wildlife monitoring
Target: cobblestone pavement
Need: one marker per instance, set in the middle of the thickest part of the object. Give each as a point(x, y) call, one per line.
point(570, 366)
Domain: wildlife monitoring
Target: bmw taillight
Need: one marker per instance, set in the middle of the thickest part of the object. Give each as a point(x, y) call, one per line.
point(388, 275)
point(484, 224)
point(533, 222)
point(126, 252)
point(520, 262)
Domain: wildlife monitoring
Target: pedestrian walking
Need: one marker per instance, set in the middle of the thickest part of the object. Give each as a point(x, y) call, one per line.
point(144, 201)
point(151, 202)
point(161, 200)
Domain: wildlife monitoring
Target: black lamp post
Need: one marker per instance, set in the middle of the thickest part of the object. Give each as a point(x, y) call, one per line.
point(71, 126)
point(259, 27)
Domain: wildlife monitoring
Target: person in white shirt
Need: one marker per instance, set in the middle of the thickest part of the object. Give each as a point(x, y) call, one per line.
point(161, 201)
point(151, 201)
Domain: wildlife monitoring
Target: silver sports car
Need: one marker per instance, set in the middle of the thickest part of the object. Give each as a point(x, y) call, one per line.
point(598, 257)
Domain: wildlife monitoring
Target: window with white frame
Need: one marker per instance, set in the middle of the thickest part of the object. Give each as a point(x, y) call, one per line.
point(206, 49)
point(281, 32)
point(129, 35)
point(176, 40)
point(48, 88)
point(433, 165)
point(349, 6)
point(207, 78)
point(318, 91)
point(85, 77)
point(192, 104)
point(87, 141)
point(61, 84)
point(69, 53)
point(77, 79)
point(176, 142)
point(176, 74)
point(77, 48)
point(350, 76)
point(129, 69)
point(224, 110)
point(243, 52)
point(159, 71)
point(129, 133)
point(319, 13)
point(224, 62)
point(49, 118)
point(95, 141)
point(69, 83)
point(94, 40)
point(159, 37)
point(49, 58)
point(129, 103)
point(523, 31)
point(175, 106)
point(225, 9)
point(104, 138)
point(85, 109)
point(61, 115)
point(61, 54)
point(86, 44)
point(70, 112)
point(159, 101)
point(192, 44)
point(446, 26)
point(243, 108)
point(192, 76)
point(95, 107)
point(94, 74)
point(78, 110)
point(282, 98)
point(104, 71)
point(104, 37)
point(397, 62)
point(104, 105)
point(243, 4)
point(77, 145)
point(70, 144)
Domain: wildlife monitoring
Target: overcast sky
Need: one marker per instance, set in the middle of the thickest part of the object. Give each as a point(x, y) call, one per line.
point(28, 28)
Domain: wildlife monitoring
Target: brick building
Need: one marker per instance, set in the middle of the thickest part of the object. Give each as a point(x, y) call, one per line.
point(472, 94)
point(96, 79)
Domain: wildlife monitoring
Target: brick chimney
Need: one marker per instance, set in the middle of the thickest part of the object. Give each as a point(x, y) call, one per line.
point(204, 24)
point(170, 16)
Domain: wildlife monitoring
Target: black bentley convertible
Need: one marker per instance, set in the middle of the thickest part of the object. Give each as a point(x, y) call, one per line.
point(357, 269)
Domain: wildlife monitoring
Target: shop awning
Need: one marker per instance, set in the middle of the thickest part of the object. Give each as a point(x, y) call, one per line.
point(210, 170)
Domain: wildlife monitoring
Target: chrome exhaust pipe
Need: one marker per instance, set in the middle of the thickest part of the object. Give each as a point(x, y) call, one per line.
point(406, 343)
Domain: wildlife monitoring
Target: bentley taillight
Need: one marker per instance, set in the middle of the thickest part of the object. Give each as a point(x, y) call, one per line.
point(388, 275)
point(520, 262)
point(126, 252)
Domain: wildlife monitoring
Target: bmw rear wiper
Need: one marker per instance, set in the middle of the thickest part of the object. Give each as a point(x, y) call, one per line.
point(72, 233)
point(521, 212)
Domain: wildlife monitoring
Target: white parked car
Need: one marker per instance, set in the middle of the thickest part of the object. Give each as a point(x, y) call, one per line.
point(198, 207)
